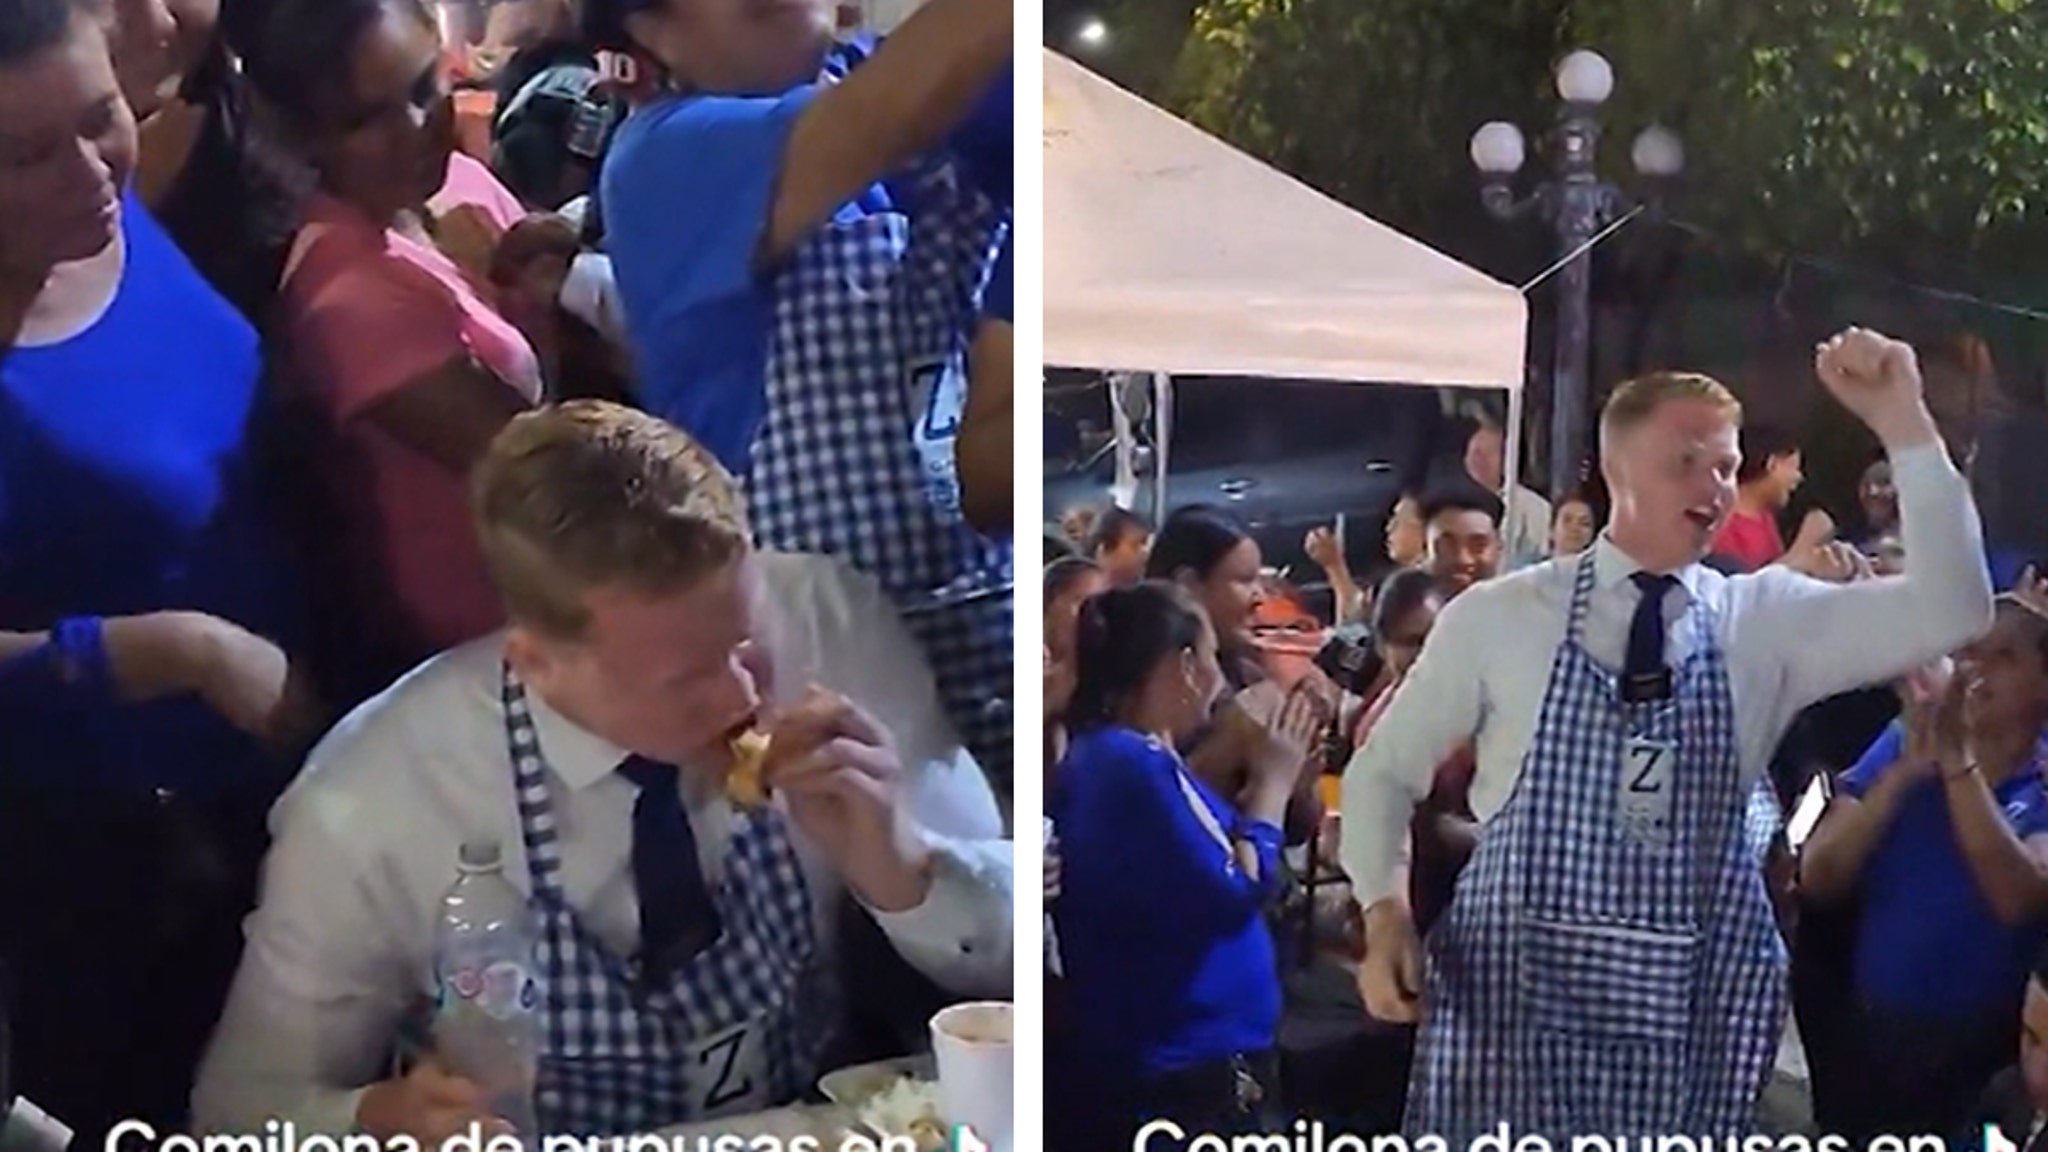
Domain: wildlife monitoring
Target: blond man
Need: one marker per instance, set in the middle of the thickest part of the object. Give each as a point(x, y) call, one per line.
point(687, 946)
point(1610, 963)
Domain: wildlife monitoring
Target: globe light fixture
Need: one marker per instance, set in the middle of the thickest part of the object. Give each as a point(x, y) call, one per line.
point(1498, 149)
point(1585, 77)
point(1658, 153)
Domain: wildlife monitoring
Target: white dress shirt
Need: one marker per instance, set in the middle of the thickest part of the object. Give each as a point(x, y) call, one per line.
point(1789, 641)
point(341, 943)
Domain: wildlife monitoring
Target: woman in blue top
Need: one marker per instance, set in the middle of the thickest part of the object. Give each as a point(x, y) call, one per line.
point(802, 240)
point(1941, 831)
point(130, 810)
point(1172, 981)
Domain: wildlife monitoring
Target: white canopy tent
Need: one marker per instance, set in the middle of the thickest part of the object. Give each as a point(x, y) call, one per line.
point(1167, 251)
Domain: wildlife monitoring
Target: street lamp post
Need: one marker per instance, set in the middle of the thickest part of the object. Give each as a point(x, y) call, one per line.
point(1578, 204)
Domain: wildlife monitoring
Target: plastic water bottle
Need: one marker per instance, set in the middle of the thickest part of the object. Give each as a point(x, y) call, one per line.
point(487, 1009)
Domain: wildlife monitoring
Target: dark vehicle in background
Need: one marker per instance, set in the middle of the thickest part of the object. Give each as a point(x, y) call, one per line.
point(1284, 456)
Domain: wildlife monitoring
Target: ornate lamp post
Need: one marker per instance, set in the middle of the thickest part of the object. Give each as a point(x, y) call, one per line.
point(1578, 204)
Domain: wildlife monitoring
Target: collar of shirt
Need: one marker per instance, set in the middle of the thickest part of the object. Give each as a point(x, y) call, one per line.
point(1612, 566)
point(580, 758)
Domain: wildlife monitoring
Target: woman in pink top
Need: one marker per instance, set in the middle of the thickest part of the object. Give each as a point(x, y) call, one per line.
point(395, 342)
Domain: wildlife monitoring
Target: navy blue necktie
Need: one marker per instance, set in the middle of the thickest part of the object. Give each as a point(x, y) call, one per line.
point(1643, 674)
point(677, 917)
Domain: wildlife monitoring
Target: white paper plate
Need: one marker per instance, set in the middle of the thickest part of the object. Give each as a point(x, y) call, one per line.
point(853, 1087)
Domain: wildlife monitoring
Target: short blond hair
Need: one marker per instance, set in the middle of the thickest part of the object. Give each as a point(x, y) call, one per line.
point(1633, 401)
point(588, 495)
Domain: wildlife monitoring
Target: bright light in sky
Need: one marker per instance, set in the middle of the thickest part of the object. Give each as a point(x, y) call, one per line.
point(1092, 34)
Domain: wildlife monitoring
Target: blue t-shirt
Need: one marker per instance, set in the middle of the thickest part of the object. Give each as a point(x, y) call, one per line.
point(687, 188)
point(1928, 945)
point(1168, 958)
point(128, 485)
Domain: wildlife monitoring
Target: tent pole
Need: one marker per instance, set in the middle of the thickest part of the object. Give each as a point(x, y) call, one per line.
point(1511, 456)
point(1162, 440)
point(1123, 491)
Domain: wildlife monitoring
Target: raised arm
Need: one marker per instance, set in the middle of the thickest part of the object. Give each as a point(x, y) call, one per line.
point(1830, 639)
point(925, 79)
point(832, 626)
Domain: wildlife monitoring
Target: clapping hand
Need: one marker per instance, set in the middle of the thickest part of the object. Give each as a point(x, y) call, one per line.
point(1816, 553)
point(1287, 726)
point(1932, 697)
point(1815, 530)
point(1832, 561)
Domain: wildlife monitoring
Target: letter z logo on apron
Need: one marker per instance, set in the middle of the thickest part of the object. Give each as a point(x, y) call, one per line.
point(727, 1074)
point(1646, 784)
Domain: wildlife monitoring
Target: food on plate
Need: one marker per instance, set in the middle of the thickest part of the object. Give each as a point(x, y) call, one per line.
point(907, 1107)
point(743, 785)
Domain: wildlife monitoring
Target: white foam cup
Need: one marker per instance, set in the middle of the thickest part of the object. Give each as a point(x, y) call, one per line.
point(975, 1047)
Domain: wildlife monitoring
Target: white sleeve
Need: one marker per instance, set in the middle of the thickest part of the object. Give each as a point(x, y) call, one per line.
point(1437, 708)
point(864, 652)
point(1832, 638)
point(962, 936)
point(318, 999)
point(591, 294)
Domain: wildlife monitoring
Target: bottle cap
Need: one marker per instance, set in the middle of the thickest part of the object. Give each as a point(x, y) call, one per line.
point(479, 855)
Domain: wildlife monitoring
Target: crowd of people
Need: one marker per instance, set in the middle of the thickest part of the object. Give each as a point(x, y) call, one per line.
point(332, 469)
point(1611, 820)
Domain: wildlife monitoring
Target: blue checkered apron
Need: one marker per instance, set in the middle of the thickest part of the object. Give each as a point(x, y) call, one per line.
point(739, 1028)
point(866, 385)
point(1585, 981)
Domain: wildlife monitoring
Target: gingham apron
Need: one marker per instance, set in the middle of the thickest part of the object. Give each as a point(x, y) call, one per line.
point(866, 386)
point(1585, 980)
point(739, 1028)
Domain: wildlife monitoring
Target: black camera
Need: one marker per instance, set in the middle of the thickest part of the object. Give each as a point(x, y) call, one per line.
point(1350, 659)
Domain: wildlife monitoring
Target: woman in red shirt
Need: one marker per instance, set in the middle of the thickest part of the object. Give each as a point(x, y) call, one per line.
point(1771, 471)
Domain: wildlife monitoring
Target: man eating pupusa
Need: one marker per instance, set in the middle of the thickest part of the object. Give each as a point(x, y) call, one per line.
point(687, 941)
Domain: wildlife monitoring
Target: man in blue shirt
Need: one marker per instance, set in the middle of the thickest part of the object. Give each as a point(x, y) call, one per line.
point(129, 829)
point(803, 235)
point(1942, 829)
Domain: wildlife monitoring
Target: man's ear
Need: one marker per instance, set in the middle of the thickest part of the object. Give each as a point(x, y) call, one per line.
point(530, 656)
